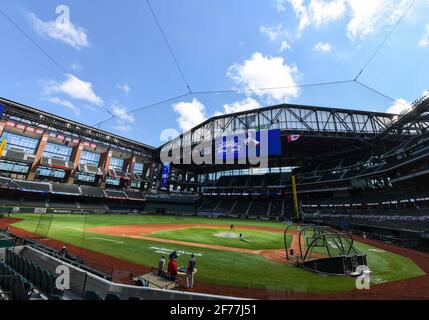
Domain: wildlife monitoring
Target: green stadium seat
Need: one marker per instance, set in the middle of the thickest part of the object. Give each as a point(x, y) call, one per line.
point(44, 284)
point(38, 276)
point(112, 296)
point(91, 295)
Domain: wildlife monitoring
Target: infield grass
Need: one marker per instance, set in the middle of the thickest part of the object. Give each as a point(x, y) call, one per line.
point(251, 239)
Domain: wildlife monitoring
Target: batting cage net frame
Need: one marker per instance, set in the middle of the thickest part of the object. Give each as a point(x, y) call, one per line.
point(325, 250)
point(43, 225)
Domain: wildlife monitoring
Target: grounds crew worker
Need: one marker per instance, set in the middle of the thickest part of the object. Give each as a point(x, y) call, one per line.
point(190, 272)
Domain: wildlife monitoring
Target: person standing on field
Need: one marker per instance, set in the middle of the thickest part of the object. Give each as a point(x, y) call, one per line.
point(190, 272)
point(161, 265)
point(172, 269)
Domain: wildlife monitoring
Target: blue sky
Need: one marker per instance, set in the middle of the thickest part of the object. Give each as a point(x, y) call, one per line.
point(117, 60)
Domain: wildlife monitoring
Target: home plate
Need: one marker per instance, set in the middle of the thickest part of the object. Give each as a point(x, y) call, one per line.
point(377, 250)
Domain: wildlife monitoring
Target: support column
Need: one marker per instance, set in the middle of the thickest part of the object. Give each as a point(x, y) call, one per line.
point(129, 167)
point(105, 165)
point(146, 168)
point(2, 126)
point(38, 156)
point(75, 158)
point(159, 173)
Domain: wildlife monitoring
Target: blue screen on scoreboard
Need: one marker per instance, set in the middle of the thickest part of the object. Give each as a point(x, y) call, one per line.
point(2, 107)
point(235, 147)
point(164, 176)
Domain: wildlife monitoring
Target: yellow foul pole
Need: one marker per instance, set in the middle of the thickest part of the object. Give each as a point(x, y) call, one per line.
point(295, 197)
point(2, 147)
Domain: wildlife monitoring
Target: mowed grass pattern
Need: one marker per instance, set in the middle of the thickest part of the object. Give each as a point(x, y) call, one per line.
point(252, 240)
point(215, 266)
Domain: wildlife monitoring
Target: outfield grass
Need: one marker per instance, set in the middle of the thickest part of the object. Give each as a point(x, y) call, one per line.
point(253, 240)
point(216, 266)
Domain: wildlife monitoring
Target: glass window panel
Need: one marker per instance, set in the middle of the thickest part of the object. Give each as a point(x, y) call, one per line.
point(116, 164)
point(90, 158)
point(9, 166)
point(138, 168)
point(113, 181)
point(49, 172)
point(54, 150)
point(28, 145)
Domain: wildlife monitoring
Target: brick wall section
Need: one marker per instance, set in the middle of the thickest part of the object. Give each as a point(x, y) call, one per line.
point(75, 158)
point(38, 156)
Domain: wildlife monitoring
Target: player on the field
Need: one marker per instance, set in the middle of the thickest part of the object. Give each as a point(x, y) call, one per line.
point(190, 272)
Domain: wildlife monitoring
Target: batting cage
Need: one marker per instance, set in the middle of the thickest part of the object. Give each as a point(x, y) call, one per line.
point(324, 250)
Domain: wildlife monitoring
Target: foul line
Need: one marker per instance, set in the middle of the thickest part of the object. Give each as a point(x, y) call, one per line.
point(103, 239)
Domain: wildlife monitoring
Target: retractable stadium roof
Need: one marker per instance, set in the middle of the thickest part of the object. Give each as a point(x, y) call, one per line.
point(323, 130)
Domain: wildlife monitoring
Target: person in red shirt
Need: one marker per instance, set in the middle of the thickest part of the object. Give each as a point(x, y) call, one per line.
point(172, 269)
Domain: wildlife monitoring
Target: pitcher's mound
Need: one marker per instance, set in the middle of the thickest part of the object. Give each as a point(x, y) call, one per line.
point(227, 235)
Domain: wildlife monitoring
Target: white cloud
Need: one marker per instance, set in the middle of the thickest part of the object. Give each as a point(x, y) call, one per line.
point(72, 35)
point(284, 46)
point(124, 87)
point(274, 33)
point(399, 106)
point(424, 40)
point(124, 120)
point(266, 72)
point(318, 12)
point(365, 16)
point(239, 106)
point(324, 12)
point(277, 33)
point(368, 15)
point(76, 67)
point(65, 103)
point(301, 13)
point(74, 88)
point(322, 47)
point(190, 114)
point(280, 5)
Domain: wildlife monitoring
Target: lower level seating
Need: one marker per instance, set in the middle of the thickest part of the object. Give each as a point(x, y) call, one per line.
point(92, 191)
point(25, 276)
point(14, 285)
point(209, 204)
point(226, 205)
point(259, 208)
point(276, 208)
point(134, 195)
point(241, 207)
